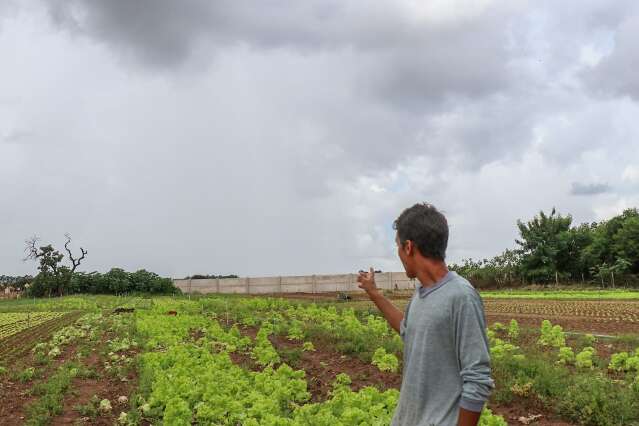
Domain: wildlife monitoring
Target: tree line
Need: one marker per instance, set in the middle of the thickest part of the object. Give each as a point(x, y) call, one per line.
point(57, 275)
point(551, 250)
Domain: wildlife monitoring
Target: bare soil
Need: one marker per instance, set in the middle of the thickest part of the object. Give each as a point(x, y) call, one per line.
point(104, 386)
point(13, 410)
point(519, 414)
point(322, 366)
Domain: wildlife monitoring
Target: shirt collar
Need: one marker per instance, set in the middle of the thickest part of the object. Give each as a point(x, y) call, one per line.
point(425, 291)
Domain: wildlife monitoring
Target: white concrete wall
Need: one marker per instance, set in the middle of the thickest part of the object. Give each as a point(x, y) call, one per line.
point(291, 284)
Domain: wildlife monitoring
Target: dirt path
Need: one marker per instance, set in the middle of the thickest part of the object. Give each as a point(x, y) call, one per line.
point(322, 366)
point(13, 409)
point(517, 414)
point(102, 386)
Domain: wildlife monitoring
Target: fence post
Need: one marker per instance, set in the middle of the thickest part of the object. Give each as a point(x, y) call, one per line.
point(248, 288)
point(280, 285)
point(190, 285)
point(217, 284)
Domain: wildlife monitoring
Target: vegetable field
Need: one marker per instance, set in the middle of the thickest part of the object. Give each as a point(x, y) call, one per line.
point(271, 361)
point(12, 323)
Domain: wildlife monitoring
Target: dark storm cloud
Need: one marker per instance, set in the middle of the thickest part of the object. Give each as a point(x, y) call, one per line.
point(394, 73)
point(400, 58)
point(180, 135)
point(579, 188)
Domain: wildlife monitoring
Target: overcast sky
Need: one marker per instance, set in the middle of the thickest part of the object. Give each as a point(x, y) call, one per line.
point(284, 137)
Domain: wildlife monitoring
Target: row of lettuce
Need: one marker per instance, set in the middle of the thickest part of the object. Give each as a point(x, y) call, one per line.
point(58, 362)
point(187, 375)
point(590, 388)
point(582, 388)
point(186, 379)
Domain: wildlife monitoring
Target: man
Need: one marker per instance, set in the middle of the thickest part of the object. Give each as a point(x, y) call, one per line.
point(446, 378)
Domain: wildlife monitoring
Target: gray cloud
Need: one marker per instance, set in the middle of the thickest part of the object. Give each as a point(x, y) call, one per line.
point(615, 73)
point(225, 137)
point(580, 188)
point(398, 58)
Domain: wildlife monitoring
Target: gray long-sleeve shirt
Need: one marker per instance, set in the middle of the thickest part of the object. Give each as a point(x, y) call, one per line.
point(446, 354)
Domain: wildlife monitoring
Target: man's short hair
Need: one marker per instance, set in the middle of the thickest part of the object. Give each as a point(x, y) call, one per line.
point(426, 227)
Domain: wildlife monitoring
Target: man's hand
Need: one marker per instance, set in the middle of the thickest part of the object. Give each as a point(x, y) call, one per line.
point(366, 282)
point(393, 315)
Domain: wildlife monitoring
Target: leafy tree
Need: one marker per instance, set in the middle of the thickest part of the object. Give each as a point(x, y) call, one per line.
point(118, 281)
point(546, 245)
point(625, 242)
point(617, 238)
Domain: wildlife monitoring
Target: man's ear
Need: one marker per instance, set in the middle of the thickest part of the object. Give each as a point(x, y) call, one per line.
point(408, 247)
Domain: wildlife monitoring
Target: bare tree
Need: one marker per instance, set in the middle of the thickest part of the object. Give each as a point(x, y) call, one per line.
point(52, 272)
point(74, 262)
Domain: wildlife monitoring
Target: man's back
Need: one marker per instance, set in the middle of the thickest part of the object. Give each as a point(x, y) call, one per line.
point(446, 354)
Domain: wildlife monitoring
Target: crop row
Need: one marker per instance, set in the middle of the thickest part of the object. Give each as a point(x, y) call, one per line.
point(607, 311)
point(15, 322)
point(196, 380)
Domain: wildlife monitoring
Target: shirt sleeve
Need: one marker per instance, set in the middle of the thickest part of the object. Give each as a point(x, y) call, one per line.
point(473, 354)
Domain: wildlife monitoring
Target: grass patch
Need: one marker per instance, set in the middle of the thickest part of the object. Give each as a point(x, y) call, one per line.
point(291, 356)
point(586, 397)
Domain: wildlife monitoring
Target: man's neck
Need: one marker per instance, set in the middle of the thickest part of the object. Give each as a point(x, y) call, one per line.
point(432, 274)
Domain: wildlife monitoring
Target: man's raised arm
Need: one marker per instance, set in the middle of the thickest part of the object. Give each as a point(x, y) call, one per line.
point(393, 315)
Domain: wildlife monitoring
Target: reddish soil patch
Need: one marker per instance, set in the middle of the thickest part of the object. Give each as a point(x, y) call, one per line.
point(84, 389)
point(13, 410)
point(244, 360)
point(196, 334)
point(512, 413)
point(322, 366)
point(103, 386)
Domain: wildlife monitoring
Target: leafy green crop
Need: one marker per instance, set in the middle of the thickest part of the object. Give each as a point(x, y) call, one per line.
point(584, 358)
point(551, 335)
point(385, 361)
point(623, 361)
point(566, 355)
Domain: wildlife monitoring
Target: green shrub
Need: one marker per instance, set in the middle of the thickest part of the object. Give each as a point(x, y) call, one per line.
point(26, 375)
point(551, 335)
point(566, 355)
point(588, 340)
point(513, 329)
point(595, 401)
point(385, 361)
point(584, 358)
